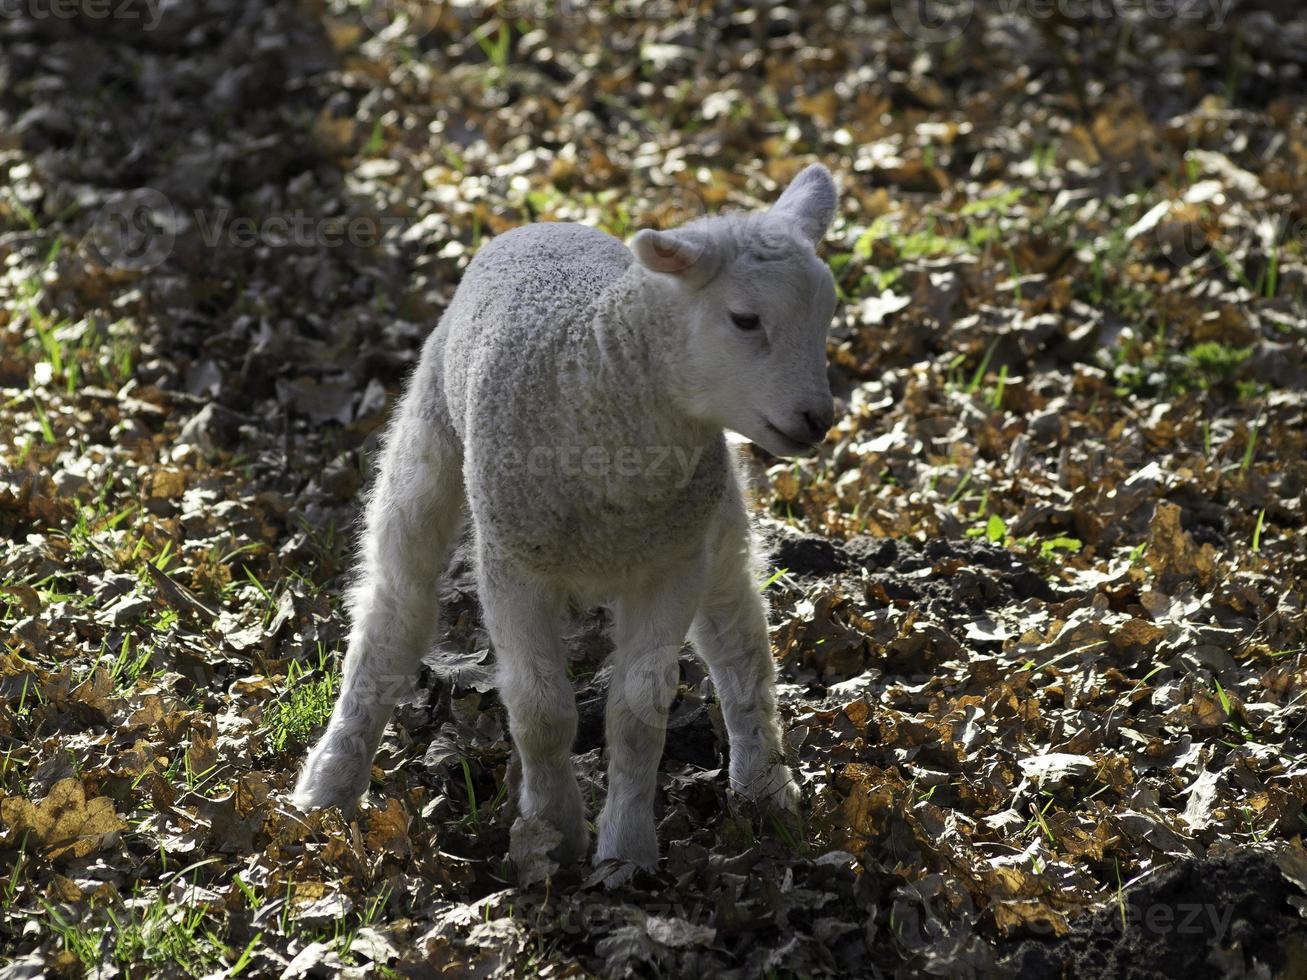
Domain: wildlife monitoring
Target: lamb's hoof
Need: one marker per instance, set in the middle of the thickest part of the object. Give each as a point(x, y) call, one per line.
point(328, 782)
point(773, 799)
point(574, 846)
point(786, 794)
point(613, 873)
point(563, 814)
point(310, 801)
point(772, 787)
point(538, 847)
point(634, 846)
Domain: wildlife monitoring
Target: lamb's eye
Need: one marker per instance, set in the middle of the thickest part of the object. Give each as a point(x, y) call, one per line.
point(746, 321)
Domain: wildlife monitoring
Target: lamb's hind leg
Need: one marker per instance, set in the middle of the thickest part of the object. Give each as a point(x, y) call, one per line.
point(411, 523)
point(650, 628)
point(524, 618)
point(730, 634)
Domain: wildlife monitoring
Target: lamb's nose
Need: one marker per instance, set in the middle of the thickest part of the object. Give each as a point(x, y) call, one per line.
point(818, 420)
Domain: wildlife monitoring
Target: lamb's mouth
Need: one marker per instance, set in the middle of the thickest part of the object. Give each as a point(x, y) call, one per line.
point(790, 443)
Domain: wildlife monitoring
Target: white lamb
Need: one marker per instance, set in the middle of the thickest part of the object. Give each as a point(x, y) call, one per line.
point(573, 401)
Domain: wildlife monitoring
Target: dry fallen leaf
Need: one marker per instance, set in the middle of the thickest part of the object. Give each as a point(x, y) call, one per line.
point(65, 823)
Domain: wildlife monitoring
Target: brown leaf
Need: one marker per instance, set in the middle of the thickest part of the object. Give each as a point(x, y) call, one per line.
point(65, 822)
point(388, 829)
point(1172, 552)
point(1028, 914)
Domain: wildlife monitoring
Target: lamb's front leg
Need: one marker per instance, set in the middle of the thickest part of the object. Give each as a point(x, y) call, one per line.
point(524, 618)
point(730, 634)
point(650, 628)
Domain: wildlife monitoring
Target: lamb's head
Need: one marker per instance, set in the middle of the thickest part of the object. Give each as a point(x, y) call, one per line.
point(755, 302)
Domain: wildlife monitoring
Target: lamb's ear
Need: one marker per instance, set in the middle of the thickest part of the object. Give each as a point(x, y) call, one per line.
point(672, 252)
point(810, 201)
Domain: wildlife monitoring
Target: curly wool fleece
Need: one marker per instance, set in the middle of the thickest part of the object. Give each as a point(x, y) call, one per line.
point(572, 403)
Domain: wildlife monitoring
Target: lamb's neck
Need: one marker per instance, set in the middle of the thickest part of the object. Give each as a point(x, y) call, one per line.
point(642, 334)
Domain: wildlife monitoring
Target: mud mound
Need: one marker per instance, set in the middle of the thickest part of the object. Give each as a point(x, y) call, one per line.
point(1233, 916)
point(950, 578)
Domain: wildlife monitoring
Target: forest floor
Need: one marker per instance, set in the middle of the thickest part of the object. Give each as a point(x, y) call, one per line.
point(1038, 603)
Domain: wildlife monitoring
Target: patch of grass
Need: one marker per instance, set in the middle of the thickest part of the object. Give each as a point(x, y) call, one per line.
point(477, 815)
point(47, 430)
point(994, 530)
point(306, 704)
point(93, 519)
point(1037, 820)
point(127, 667)
point(1250, 449)
point(854, 280)
point(995, 399)
point(376, 141)
point(73, 350)
point(981, 368)
point(1044, 155)
point(181, 771)
point(159, 934)
point(788, 829)
point(495, 38)
point(269, 600)
point(1232, 726)
point(1147, 367)
point(1053, 549)
point(1111, 283)
point(1214, 363)
point(993, 204)
point(923, 243)
point(971, 386)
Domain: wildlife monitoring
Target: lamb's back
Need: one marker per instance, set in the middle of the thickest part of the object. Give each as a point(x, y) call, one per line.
point(527, 299)
point(568, 461)
point(542, 275)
